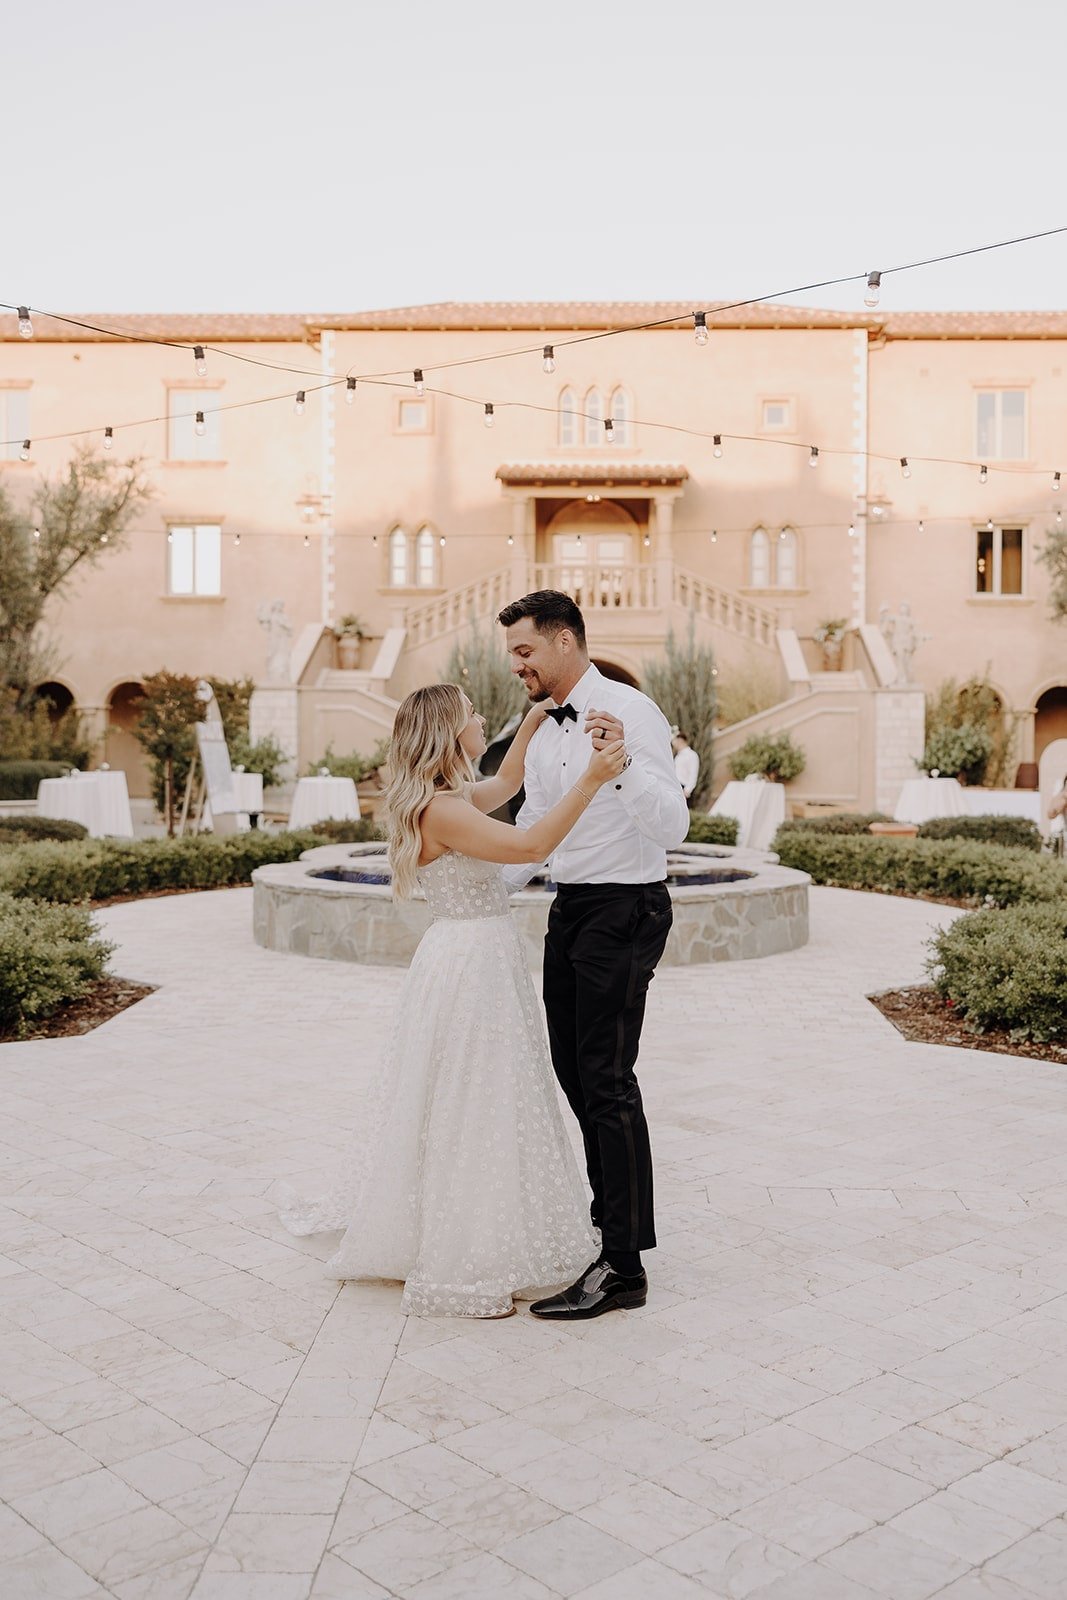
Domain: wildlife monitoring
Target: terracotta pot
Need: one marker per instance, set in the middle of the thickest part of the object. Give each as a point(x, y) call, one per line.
point(348, 646)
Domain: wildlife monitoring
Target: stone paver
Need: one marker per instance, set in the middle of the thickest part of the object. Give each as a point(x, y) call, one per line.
point(848, 1381)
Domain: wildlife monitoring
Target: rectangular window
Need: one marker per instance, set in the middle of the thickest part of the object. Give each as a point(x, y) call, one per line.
point(184, 442)
point(413, 416)
point(999, 561)
point(1000, 432)
point(194, 559)
point(777, 416)
point(14, 421)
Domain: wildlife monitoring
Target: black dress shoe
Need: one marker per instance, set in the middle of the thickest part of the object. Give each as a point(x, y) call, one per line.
point(600, 1288)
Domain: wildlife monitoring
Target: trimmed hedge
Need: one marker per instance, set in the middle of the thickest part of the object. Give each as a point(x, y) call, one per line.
point(973, 873)
point(101, 869)
point(704, 829)
point(360, 830)
point(1018, 832)
point(48, 955)
point(1006, 969)
point(24, 830)
point(835, 822)
point(19, 779)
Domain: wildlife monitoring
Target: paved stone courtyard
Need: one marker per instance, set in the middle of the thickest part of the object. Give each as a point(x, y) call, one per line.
point(850, 1379)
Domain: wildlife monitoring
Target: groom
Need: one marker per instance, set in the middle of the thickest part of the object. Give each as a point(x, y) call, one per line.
point(607, 927)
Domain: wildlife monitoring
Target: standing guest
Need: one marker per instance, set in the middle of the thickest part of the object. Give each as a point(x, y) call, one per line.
point(686, 761)
point(607, 927)
point(1058, 812)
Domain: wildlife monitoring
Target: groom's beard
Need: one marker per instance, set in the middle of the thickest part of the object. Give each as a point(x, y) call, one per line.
point(536, 690)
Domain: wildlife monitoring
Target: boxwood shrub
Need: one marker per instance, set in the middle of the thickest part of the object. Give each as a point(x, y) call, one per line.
point(1007, 969)
point(835, 822)
point(48, 954)
point(19, 779)
point(24, 830)
point(100, 869)
point(359, 830)
point(1018, 832)
point(704, 829)
point(957, 870)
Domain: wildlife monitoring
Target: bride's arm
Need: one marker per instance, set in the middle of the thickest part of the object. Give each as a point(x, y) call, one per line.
point(507, 780)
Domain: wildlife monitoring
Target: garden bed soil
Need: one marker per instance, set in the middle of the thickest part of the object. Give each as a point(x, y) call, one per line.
point(105, 1000)
point(923, 1017)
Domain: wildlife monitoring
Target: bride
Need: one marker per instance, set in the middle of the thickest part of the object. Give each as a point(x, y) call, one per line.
point(462, 1182)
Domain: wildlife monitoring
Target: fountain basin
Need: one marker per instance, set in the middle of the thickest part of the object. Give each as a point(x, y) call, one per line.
point(336, 903)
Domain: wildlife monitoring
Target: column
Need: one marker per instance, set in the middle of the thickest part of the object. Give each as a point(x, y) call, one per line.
point(662, 517)
point(523, 551)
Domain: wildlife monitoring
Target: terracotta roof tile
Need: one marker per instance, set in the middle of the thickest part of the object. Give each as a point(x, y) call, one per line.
point(976, 325)
point(209, 327)
point(551, 315)
point(576, 472)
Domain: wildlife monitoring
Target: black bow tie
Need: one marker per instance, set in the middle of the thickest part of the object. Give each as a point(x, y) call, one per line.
point(560, 714)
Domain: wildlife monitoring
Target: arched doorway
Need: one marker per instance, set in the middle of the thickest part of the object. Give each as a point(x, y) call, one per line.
point(616, 674)
point(1050, 719)
point(121, 749)
point(590, 544)
point(56, 696)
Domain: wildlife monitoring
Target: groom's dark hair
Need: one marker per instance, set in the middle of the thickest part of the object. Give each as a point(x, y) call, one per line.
point(549, 610)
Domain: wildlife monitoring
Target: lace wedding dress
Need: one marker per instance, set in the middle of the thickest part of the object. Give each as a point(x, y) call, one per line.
point(463, 1182)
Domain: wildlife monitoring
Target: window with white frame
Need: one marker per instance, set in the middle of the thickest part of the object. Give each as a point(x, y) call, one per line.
point(398, 559)
point(568, 417)
point(1000, 424)
point(785, 559)
point(194, 559)
point(776, 416)
point(759, 559)
point(193, 425)
point(593, 407)
point(14, 421)
point(414, 416)
point(772, 559)
point(426, 548)
point(998, 564)
point(621, 416)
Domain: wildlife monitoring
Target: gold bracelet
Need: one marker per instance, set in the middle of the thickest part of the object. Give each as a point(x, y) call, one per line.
point(588, 798)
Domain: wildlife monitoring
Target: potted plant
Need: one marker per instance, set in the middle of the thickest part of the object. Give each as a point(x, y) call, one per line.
point(771, 756)
point(831, 635)
point(349, 635)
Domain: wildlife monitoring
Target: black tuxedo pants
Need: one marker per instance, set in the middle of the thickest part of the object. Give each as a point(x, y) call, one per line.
point(601, 950)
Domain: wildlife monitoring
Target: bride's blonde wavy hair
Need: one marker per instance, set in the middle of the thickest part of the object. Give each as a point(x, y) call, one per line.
point(425, 759)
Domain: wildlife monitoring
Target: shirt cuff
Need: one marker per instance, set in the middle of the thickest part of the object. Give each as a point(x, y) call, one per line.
point(631, 784)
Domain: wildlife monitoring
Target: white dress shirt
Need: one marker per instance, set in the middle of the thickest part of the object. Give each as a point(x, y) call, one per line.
point(634, 819)
point(687, 767)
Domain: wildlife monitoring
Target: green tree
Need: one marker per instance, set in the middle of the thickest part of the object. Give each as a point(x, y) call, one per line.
point(233, 696)
point(170, 708)
point(682, 683)
point(1053, 555)
point(68, 523)
point(481, 669)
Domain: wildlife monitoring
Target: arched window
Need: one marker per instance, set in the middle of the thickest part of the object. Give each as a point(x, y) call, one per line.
point(568, 417)
point(593, 406)
point(759, 560)
point(620, 415)
point(425, 559)
point(785, 570)
point(398, 559)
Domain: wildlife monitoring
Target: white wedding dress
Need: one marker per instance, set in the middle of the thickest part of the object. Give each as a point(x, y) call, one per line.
point(462, 1183)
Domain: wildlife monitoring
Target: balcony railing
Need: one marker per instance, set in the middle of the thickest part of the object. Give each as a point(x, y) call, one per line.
point(723, 607)
point(471, 602)
point(594, 588)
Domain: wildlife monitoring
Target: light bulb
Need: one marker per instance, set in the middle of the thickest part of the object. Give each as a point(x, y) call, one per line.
point(873, 291)
point(852, 530)
point(922, 527)
point(714, 537)
point(609, 430)
point(25, 324)
point(200, 426)
point(201, 364)
point(36, 533)
point(488, 415)
point(307, 541)
point(420, 384)
point(700, 323)
point(374, 540)
point(236, 540)
point(170, 535)
point(716, 446)
point(578, 539)
point(813, 457)
point(1059, 519)
point(983, 474)
point(905, 470)
point(109, 438)
point(511, 538)
point(1055, 483)
point(548, 359)
point(350, 391)
point(24, 453)
point(441, 541)
point(647, 541)
point(989, 525)
point(103, 538)
point(300, 404)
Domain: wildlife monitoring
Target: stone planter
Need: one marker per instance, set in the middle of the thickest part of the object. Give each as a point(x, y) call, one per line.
point(832, 651)
point(348, 648)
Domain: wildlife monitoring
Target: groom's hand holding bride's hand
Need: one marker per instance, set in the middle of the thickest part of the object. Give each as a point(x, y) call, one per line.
point(604, 728)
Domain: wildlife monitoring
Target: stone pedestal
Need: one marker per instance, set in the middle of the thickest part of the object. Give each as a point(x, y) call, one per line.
point(899, 736)
point(274, 709)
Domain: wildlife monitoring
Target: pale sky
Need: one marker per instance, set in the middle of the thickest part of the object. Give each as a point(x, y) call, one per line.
point(323, 155)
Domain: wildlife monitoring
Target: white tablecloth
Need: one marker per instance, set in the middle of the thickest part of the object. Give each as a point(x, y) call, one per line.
point(248, 790)
point(759, 809)
point(99, 800)
point(1003, 803)
point(317, 799)
point(921, 799)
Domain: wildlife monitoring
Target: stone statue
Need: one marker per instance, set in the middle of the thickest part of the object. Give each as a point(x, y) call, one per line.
point(903, 639)
point(279, 629)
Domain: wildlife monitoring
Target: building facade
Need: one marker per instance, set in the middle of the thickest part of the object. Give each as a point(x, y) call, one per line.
point(664, 483)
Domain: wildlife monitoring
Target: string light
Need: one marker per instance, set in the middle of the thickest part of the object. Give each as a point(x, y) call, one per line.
point(873, 292)
point(548, 359)
point(922, 527)
point(103, 538)
point(24, 453)
point(578, 539)
point(1055, 483)
point(442, 541)
point(36, 533)
point(609, 430)
point(420, 382)
point(813, 456)
point(374, 540)
point(200, 426)
point(109, 438)
point(989, 525)
point(307, 541)
point(201, 362)
point(905, 470)
point(1059, 520)
point(25, 323)
point(716, 446)
point(237, 541)
point(983, 473)
point(700, 324)
point(852, 530)
point(350, 391)
point(646, 541)
point(300, 404)
point(511, 539)
point(714, 536)
point(489, 415)
point(170, 535)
